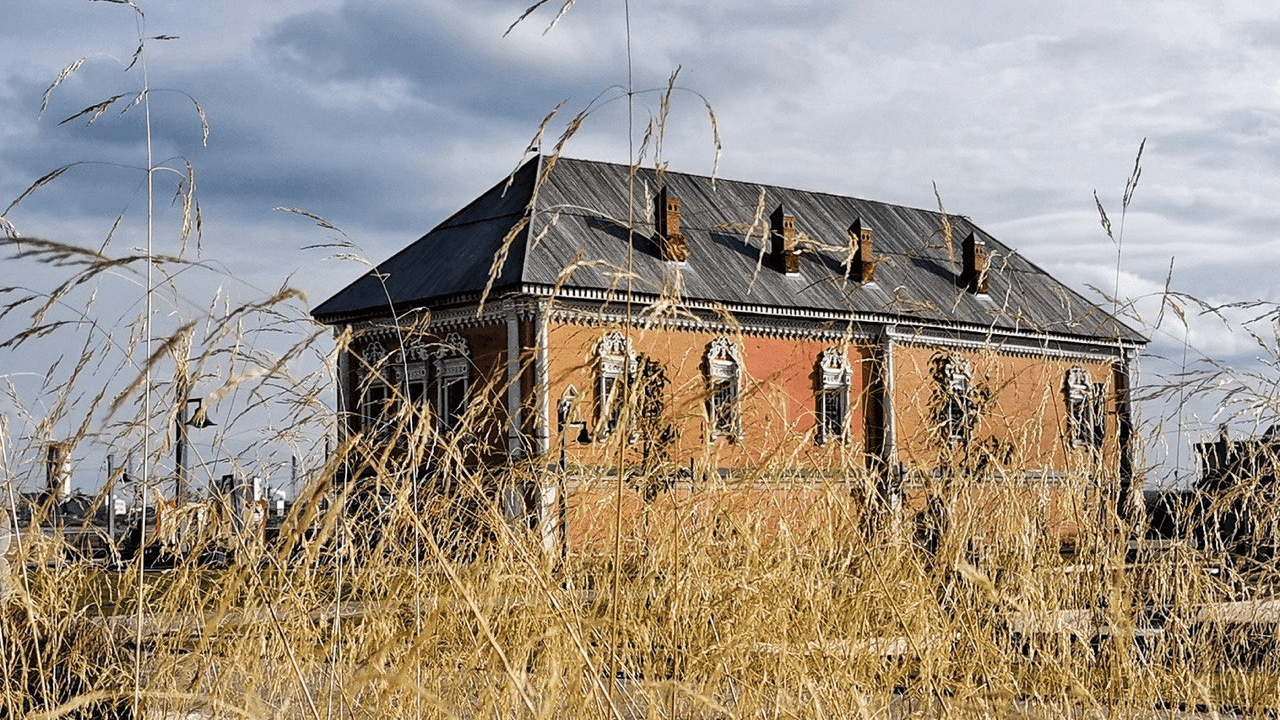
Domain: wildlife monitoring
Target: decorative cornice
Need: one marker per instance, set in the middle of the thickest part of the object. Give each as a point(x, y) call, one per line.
point(1004, 344)
point(594, 308)
point(585, 314)
point(936, 331)
point(441, 321)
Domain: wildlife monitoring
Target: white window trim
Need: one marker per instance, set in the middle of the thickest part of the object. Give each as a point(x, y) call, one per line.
point(615, 361)
point(833, 383)
point(567, 410)
point(1086, 409)
point(956, 376)
point(724, 366)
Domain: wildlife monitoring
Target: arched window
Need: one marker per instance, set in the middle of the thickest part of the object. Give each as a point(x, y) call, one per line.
point(724, 384)
point(452, 381)
point(1086, 409)
point(832, 396)
point(614, 361)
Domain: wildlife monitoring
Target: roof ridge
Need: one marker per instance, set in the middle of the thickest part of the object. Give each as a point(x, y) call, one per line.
point(788, 188)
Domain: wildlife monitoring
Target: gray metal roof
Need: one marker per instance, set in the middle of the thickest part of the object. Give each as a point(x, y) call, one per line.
point(578, 237)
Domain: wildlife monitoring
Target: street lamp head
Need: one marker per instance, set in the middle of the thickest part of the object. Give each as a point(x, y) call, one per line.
point(198, 418)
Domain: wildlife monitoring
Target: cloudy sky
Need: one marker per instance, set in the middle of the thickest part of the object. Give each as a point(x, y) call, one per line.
point(384, 117)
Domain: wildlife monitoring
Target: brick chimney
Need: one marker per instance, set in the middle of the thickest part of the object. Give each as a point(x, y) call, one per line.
point(976, 265)
point(782, 241)
point(666, 221)
point(863, 267)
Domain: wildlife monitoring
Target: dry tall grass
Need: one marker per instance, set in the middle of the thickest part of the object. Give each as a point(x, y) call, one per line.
point(387, 596)
point(363, 613)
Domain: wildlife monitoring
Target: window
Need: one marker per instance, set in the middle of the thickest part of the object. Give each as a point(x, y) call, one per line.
point(375, 390)
point(416, 382)
point(610, 403)
point(957, 403)
point(567, 408)
point(453, 380)
point(417, 385)
point(374, 407)
point(614, 363)
point(724, 382)
point(416, 373)
point(1086, 409)
point(833, 395)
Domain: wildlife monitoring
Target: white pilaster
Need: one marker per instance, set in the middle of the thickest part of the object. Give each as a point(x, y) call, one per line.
point(515, 420)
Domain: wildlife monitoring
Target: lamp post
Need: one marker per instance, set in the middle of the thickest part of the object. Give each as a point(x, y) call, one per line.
point(197, 420)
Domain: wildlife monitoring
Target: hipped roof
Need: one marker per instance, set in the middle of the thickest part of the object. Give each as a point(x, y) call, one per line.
point(564, 222)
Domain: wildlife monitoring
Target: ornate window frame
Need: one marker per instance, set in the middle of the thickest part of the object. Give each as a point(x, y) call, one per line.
point(957, 406)
point(417, 382)
point(452, 365)
point(1086, 409)
point(724, 389)
point(375, 391)
point(831, 401)
point(615, 363)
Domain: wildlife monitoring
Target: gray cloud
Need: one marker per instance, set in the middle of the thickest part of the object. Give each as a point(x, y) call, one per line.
point(386, 117)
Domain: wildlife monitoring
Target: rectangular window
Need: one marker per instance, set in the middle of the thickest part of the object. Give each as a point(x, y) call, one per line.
point(610, 403)
point(1086, 410)
point(958, 423)
point(375, 407)
point(615, 362)
point(1089, 419)
point(1098, 414)
point(452, 381)
point(416, 390)
point(831, 414)
point(416, 382)
point(958, 402)
point(453, 401)
point(833, 395)
point(724, 383)
point(724, 404)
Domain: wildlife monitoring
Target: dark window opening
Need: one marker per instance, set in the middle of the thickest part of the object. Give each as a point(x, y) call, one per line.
point(376, 409)
point(453, 401)
point(831, 414)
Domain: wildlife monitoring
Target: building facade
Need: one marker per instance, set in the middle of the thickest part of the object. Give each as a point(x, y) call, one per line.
point(677, 330)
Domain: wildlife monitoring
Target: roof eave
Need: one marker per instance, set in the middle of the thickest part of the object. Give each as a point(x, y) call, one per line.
point(1134, 342)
